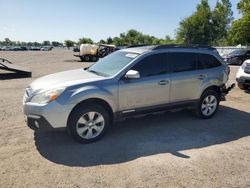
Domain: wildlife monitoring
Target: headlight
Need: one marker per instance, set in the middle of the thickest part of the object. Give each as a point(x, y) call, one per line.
point(48, 96)
point(243, 66)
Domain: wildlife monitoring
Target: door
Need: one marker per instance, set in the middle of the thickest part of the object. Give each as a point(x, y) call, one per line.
point(186, 77)
point(247, 55)
point(151, 89)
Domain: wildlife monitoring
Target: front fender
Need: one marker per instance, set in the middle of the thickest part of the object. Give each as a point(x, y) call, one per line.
point(90, 92)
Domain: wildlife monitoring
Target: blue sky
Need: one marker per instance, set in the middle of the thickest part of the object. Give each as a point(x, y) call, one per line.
point(30, 20)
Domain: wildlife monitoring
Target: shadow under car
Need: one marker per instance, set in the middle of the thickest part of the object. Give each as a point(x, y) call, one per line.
point(137, 137)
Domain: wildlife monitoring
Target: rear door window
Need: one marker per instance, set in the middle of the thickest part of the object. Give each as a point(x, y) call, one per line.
point(183, 61)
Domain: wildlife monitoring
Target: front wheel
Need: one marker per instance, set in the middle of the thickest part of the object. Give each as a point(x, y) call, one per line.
point(208, 104)
point(242, 86)
point(86, 58)
point(88, 123)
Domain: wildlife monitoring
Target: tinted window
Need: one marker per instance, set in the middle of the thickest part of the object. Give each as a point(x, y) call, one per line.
point(183, 61)
point(151, 65)
point(248, 53)
point(208, 61)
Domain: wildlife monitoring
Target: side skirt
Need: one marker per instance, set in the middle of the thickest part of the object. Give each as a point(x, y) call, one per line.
point(153, 109)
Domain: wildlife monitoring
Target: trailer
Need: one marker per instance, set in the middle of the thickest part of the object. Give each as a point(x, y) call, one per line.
point(92, 52)
point(8, 70)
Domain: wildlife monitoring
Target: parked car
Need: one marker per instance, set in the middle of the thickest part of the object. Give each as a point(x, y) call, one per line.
point(126, 83)
point(243, 75)
point(6, 48)
point(237, 57)
point(46, 48)
point(33, 48)
point(24, 48)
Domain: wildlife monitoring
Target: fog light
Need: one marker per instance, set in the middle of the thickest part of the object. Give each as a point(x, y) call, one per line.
point(37, 124)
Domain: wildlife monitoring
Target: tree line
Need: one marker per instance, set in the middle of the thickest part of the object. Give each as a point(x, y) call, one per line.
point(217, 26)
point(8, 42)
point(205, 26)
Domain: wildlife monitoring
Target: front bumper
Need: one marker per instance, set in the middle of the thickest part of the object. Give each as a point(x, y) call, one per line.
point(38, 123)
point(243, 80)
point(47, 116)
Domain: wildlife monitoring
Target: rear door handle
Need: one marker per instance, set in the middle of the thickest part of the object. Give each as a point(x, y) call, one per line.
point(163, 82)
point(202, 76)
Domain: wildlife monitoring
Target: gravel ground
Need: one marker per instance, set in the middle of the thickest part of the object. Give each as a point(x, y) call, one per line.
point(173, 149)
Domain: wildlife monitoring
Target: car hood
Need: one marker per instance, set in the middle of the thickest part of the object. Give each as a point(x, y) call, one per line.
point(63, 79)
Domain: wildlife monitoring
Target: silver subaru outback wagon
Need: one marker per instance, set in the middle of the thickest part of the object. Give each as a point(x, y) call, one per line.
point(126, 83)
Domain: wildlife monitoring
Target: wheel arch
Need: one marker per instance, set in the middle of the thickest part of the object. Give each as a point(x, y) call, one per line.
point(214, 88)
point(98, 101)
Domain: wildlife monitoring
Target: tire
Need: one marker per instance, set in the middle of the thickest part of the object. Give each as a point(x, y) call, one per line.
point(242, 86)
point(94, 59)
point(81, 124)
point(86, 58)
point(82, 58)
point(208, 104)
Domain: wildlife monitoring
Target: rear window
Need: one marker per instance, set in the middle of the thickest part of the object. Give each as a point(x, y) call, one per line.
point(208, 61)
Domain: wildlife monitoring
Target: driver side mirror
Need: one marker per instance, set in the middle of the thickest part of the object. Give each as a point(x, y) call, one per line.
point(132, 74)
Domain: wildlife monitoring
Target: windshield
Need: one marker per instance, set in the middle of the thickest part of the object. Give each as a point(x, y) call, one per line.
point(238, 52)
point(113, 63)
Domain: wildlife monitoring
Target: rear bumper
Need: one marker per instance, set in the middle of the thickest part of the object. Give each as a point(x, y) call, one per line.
point(225, 89)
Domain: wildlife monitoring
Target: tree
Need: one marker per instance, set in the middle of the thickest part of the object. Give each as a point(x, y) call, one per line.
point(222, 16)
point(244, 6)
point(55, 43)
point(102, 41)
point(7, 42)
point(168, 40)
point(36, 44)
point(118, 41)
point(84, 40)
point(239, 32)
point(46, 43)
point(196, 29)
point(69, 43)
point(109, 40)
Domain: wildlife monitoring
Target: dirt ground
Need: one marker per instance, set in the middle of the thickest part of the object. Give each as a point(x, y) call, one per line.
point(169, 150)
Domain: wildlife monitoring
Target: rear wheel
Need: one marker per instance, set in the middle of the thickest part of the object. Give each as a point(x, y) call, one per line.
point(208, 104)
point(94, 59)
point(86, 58)
point(88, 123)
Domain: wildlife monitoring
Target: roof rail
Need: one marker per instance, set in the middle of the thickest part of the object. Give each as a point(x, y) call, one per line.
point(192, 46)
point(137, 45)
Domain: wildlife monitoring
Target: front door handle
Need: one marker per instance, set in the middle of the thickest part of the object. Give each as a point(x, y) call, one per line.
point(163, 82)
